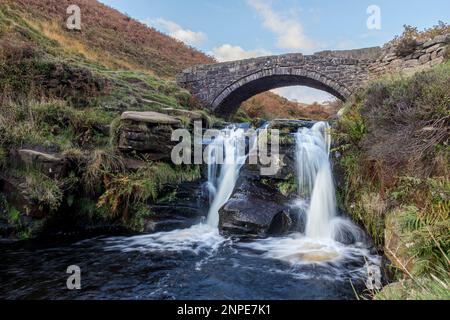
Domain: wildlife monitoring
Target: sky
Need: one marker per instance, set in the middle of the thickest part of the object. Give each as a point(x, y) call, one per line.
point(238, 29)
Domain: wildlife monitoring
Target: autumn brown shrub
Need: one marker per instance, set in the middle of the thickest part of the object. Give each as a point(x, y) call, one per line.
point(408, 121)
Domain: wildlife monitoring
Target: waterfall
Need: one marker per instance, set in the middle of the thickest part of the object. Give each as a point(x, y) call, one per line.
point(226, 155)
point(315, 179)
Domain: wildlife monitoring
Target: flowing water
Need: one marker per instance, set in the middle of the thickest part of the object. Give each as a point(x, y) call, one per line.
point(199, 263)
point(229, 148)
point(327, 239)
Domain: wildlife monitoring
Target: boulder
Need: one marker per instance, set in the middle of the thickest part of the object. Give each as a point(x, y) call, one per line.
point(396, 63)
point(425, 58)
point(149, 133)
point(445, 38)
point(281, 224)
point(134, 164)
point(411, 63)
point(254, 210)
point(434, 48)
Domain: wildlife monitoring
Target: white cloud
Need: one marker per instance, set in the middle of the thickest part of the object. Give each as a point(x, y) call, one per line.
point(289, 31)
point(176, 31)
point(227, 52)
point(304, 94)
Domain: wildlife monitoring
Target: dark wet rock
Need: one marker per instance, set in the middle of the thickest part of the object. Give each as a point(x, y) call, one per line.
point(261, 204)
point(281, 224)
point(252, 209)
point(287, 162)
point(186, 205)
point(284, 167)
point(134, 164)
point(346, 236)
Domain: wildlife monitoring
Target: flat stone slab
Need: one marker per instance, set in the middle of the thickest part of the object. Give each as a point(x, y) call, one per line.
point(184, 113)
point(150, 117)
point(29, 156)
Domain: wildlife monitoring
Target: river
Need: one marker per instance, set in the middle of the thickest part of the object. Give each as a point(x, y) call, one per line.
point(200, 263)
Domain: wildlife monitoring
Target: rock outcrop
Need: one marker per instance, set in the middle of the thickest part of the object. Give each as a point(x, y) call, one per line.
point(255, 209)
point(52, 165)
point(411, 57)
point(148, 133)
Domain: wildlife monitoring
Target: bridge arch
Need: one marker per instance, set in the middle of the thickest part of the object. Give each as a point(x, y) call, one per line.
point(230, 99)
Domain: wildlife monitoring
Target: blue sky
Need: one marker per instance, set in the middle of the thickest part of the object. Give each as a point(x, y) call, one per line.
point(236, 29)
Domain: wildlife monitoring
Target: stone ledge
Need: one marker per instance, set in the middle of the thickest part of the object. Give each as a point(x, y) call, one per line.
point(192, 115)
point(150, 117)
point(50, 164)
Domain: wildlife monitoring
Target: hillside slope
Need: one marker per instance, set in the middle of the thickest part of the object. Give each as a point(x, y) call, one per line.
point(109, 37)
point(113, 40)
point(272, 106)
point(61, 97)
point(394, 158)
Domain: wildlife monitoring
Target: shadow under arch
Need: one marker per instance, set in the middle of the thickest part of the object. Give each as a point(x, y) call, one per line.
point(231, 98)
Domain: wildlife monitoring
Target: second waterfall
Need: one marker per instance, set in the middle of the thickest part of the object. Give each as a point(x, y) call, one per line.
point(315, 179)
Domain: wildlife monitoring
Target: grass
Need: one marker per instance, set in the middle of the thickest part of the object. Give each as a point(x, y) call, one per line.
point(124, 190)
point(48, 193)
point(432, 288)
point(51, 123)
point(101, 164)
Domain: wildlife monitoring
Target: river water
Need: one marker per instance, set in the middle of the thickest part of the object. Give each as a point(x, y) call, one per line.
point(198, 262)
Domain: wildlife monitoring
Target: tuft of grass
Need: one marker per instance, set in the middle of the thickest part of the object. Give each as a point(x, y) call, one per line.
point(46, 192)
point(100, 166)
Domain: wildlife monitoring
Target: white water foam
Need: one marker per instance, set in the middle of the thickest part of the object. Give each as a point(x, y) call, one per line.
point(196, 239)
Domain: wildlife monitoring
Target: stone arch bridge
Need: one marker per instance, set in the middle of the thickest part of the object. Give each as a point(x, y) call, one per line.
point(222, 87)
